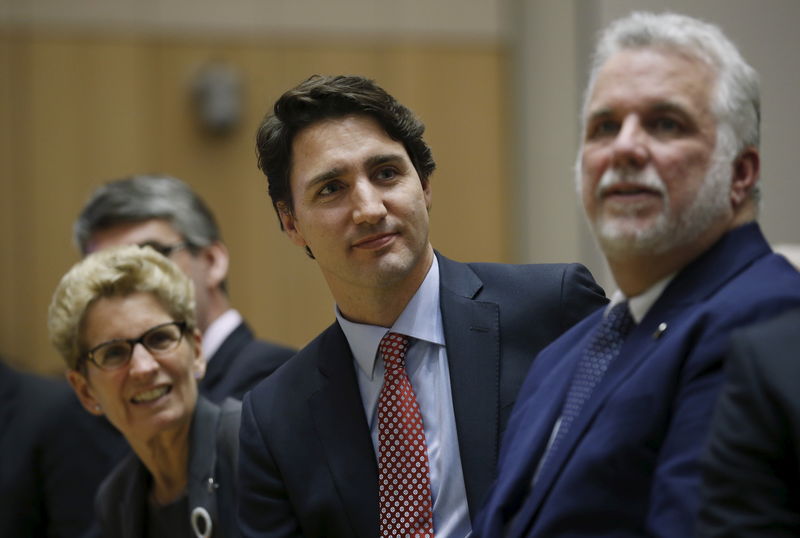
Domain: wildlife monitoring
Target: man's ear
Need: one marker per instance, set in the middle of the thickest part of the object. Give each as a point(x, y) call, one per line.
point(746, 170)
point(426, 188)
point(84, 392)
point(199, 360)
point(217, 258)
point(289, 223)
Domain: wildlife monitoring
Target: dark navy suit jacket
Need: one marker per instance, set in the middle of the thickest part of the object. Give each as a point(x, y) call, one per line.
point(752, 466)
point(239, 363)
point(53, 455)
point(629, 465)
point(307, 464)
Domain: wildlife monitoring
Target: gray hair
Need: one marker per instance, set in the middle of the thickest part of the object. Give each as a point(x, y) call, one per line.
point(736, 102)
point(143, 197)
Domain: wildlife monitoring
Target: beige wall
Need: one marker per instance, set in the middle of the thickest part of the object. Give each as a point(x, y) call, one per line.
point(441, 19)
point(95, 89)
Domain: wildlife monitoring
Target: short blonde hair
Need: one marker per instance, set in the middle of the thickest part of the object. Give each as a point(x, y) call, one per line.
point(115, 272)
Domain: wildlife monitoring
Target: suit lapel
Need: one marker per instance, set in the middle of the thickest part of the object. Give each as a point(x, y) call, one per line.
point(339, 419)
point(471, 331)
point(216, 368)
point(637, 347)
point(702, 278)
point(203, 457)
point(132, 508)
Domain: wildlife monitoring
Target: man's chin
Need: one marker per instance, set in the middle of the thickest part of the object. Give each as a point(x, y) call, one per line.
point(617, 239)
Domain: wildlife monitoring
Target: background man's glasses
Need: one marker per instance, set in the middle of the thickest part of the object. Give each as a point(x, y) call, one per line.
point(157, 340)
point(165, 250)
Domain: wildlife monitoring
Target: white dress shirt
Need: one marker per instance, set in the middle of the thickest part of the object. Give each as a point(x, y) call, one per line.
point(220, 329)
point(429, 373)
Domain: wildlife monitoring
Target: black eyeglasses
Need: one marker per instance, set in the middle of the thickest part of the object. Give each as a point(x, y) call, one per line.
point(165, 250)
point(157, 340)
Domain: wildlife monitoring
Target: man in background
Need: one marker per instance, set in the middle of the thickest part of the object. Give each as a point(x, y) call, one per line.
point(54, 455)
point(164, 213)
point(751, 470)
point(606, 435)
point(387, 424)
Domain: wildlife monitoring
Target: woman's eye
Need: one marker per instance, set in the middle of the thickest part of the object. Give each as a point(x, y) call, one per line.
point(114, 354)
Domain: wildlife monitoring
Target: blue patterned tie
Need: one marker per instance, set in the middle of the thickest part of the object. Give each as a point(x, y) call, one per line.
point(602, 349)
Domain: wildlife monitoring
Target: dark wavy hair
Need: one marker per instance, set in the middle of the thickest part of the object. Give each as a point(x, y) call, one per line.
point(322, 97)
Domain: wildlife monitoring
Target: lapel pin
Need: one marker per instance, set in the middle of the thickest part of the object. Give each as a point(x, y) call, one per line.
point(662, 327)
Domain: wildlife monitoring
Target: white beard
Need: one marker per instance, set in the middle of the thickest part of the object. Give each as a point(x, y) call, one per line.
point(621, 235)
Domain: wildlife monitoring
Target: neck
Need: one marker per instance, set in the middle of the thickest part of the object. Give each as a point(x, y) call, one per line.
point(166, 457)
point(217, 305)
point(382, 305)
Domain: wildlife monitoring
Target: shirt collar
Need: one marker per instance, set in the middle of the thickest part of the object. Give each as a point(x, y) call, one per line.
point(219, 330)
point(640, 304)
point(421, 319)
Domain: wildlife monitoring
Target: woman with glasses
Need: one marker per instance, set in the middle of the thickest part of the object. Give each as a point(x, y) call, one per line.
point(123, 320)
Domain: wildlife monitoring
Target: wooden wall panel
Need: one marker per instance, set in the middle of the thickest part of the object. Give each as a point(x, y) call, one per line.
point(102, 107)
point(11, 243)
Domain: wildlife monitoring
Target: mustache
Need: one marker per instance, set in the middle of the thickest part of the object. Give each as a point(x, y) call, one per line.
point(647, 178)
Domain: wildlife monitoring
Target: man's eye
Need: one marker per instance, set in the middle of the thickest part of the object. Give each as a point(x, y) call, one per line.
point(329, 189)
point(164, 250)
point(386, 173)
point(604, 128)
point(666, 126)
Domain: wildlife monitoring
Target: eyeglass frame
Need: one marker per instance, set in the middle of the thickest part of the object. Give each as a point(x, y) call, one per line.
point(89, 355)
point(167, 250)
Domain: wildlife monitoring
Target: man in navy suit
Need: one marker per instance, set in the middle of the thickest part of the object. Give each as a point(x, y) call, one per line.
point(667, 172)
point(349, 176)
point(751, 470)
point(164, 213)
point(54, 455)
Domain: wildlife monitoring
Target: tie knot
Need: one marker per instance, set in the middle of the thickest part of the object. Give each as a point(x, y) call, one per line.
point(619, 319)
point(393, 350)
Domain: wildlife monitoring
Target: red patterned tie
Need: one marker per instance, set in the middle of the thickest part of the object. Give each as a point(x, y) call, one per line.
point(404, 478)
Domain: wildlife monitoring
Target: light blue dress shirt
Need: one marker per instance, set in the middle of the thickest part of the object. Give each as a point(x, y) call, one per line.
point(428, 370)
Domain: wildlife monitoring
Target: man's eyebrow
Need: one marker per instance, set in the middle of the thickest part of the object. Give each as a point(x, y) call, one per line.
point(371, 161)
point(324, 177)
point(604, 112)
point(660, 106)
point(669, 106)
point(384, 158)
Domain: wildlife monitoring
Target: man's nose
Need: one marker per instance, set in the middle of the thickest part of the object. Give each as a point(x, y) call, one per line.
point(630, 145)
point(368, 203)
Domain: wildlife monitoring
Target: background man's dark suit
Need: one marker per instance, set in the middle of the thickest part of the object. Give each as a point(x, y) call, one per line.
point(632, 454)
point(53, 455)
point(307, 464)
point(752, 467)
point(239, 363)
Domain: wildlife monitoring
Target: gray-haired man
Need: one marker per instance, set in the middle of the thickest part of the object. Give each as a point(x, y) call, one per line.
point(166, 214)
